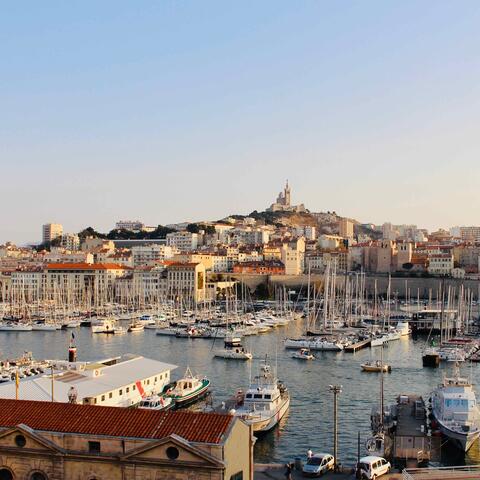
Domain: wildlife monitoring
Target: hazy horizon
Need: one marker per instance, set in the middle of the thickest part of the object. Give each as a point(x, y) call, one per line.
point(181, 111)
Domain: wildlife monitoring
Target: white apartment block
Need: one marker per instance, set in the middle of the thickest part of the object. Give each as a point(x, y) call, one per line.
point(345, 228)
point(187, 281)
point(440, 264)
point(50, 231)
point(221, 263)
point(151, 254)
point(132, 225)
point(70, 241)
point(307, 231)
point(184, 241)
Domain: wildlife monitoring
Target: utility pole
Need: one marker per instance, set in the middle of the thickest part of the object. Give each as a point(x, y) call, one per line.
point(336, 389)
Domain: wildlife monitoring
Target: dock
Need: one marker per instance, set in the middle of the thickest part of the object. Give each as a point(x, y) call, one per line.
point(354, 347)
point(411, 442)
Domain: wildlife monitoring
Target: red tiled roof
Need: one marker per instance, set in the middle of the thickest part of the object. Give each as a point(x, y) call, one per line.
point(85, 266)
point(114, 421)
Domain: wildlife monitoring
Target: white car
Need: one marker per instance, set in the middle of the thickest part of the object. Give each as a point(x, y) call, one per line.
point(372, 467)
point(318, 464)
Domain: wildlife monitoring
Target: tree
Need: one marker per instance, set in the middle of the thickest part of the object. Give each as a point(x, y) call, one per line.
point(193, 228)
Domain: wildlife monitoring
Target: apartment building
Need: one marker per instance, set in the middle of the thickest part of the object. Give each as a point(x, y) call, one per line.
point(51, 231)
point(184, 241)
point(151, 254)
point(345, 228)
point(440, 264)
point(186, 280)
point(70, 241)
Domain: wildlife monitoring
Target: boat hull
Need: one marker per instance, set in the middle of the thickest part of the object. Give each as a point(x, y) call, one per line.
point(264, 425)
point(180, 402)
point(461, 441)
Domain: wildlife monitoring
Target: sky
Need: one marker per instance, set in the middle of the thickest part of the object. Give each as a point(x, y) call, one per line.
point(170, 111)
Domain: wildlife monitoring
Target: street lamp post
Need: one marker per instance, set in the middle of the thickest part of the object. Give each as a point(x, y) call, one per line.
point(336, 389)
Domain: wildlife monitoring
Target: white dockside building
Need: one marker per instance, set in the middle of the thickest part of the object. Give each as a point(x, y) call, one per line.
point(118, 382)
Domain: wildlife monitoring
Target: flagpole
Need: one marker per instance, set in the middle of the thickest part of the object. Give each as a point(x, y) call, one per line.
point(16, 384)
point(52, 383)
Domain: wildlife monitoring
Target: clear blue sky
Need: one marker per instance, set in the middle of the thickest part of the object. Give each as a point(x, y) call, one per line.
point(173, 110)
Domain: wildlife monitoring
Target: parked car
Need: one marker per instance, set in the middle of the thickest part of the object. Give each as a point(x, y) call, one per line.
point(318, 464)
point(372, 467)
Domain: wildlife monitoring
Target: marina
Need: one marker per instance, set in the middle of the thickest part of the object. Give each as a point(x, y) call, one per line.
point(308, 382)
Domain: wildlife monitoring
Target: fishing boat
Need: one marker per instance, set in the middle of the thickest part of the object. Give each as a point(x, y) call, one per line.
point(376, 366)
point(156, 402)
point(455, 409)
point(188, 389)
point(303, 354)
point(265, 403)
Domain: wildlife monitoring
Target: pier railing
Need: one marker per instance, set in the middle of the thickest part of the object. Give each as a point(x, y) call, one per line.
point(440, 473)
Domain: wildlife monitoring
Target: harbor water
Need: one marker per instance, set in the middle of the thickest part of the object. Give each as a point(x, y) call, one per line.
point(309, 423)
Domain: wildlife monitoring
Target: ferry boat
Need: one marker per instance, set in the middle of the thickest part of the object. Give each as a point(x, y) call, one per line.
point(265, 403)
point(188, 389)
point(303, 354)
point(156, 402)
point(455, 409)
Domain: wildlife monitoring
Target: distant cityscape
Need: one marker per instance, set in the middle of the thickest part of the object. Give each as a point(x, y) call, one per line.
point(190, 258)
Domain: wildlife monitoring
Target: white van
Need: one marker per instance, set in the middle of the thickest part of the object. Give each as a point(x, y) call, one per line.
point(372, 467)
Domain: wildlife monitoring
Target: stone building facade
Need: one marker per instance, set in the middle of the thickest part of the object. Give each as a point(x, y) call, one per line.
point(55, 441)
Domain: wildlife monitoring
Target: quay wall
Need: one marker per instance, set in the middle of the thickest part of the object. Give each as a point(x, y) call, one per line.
point(424, 287)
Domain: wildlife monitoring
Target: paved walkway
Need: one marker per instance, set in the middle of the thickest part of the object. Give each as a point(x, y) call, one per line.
point(277, 472)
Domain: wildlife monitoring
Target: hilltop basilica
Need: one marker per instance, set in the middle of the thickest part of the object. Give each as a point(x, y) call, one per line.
point(283, 203)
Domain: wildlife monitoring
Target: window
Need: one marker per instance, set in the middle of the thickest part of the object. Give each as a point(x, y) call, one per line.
point(110, 395)
point(5, 474)
point(237, 476)
point(94, 447)
point(20, 441)
point(120, 392)
point(268, 396)
point(134, 387)
point(172, 453)
point(257, 395)
point(249, 395)
point(38, 476)
point(127, 389)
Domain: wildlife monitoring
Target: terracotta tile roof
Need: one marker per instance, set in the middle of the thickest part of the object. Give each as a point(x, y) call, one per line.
point(114, 421)
point(85, 266)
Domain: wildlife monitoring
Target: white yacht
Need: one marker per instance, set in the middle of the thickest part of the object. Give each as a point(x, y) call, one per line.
point(404, 329)
point(15, 327)
point(103, 326)
point(265, 403)
point(455, 409)
point(233, 350)
point(315, 344)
